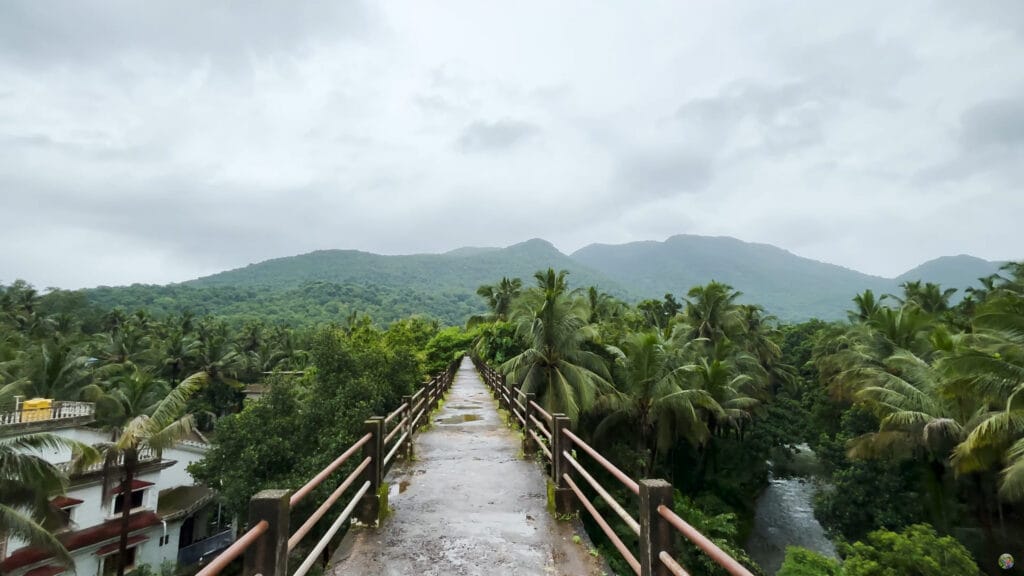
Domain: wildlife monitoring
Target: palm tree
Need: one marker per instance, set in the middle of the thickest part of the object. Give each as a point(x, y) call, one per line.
point(499, 299)
point(555, 366)
point(27, 482)
point(162, 429)
point(923, 415)
point(711, 312)
point(733, 389)
point(990, 366)
point(867, 306)
point(651, 402)
point(52, 369)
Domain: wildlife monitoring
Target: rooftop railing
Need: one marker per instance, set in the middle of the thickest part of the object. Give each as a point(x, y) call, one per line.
point(58, 410)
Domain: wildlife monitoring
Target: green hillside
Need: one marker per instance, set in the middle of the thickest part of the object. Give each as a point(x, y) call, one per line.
point(952, 271)
point(789, 286)
point(458, 271)
point(328, 285)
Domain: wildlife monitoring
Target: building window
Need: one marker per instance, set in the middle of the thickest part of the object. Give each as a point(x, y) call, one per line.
point(110, 562)
point(137, 497)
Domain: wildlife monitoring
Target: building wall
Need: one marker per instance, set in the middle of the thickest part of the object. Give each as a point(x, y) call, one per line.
point(92, 512)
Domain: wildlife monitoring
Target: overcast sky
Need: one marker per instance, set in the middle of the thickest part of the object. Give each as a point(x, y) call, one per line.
point(156, 142)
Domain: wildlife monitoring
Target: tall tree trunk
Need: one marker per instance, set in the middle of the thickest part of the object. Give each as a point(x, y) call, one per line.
point(130, 460)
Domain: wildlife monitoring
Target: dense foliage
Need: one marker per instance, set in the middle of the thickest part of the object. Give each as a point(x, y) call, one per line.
point(910, 405)
point(323, 286)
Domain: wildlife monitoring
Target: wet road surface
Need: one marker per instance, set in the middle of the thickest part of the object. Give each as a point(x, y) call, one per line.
point(467, 504)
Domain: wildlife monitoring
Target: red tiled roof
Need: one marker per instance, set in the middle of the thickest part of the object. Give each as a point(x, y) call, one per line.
point(48, 570)
point(136, 485)
point(111, 548)
point(80, 539)
point(65, 501)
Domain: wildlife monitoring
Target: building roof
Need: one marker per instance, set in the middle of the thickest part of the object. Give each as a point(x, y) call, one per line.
point(136, 485)
point(111, 548)
point(65, 501)
point(80, 539)
point(48, 570)
point(182, 501)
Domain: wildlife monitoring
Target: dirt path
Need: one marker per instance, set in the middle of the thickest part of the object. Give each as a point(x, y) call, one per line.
point(468, 504)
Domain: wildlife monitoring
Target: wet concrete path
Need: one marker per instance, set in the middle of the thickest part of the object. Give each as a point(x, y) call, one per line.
point(467, 504)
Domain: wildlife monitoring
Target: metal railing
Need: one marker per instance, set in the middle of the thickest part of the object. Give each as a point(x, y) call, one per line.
point(656, 524)
point(143, 456)
point(58, 410)
point(268, 541)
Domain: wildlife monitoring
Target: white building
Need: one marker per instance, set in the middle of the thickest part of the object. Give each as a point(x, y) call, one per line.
point(171, 518)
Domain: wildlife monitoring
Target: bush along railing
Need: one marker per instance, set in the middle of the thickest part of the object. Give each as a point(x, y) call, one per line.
point(264, 547)
point(656, 525)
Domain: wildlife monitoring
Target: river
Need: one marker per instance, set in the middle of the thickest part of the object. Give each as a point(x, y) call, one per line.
point(785, 517)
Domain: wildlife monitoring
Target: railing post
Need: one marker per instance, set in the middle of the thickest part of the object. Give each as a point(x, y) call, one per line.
point(656, 535)
point(529, 445)
point(268, 556)
point(565, 502)
point(407, 416)
point(369, 508)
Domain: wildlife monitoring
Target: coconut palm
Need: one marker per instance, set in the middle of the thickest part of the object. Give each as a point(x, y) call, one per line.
point(867, 306)
point(555, 365)
point(651, 402)
point(28, 481)
point(161, 429)
point(711, 312)
point(499, 299)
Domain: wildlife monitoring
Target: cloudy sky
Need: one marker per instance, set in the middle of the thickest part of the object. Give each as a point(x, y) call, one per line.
point(156, 142)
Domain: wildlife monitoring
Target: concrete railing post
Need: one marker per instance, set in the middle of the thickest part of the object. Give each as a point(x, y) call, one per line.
point(656, 535)
point(529, 444)
point(369, 507)
point(407, 417)
point(565, 503)
point(268, 556)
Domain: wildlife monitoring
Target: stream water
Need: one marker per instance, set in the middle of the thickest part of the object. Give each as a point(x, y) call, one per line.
point(785, 517)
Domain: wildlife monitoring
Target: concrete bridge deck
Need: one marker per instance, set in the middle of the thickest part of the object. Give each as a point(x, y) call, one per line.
point(467, 504)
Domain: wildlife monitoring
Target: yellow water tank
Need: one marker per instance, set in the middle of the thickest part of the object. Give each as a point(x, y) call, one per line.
point(36, 409)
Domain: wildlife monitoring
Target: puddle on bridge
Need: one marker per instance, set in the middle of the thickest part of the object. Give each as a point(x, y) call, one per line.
point(460, 418)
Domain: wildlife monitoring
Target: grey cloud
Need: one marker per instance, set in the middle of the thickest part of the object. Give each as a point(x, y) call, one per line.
point(989, 142)
point(50, 33)
point(993, 124)
point(482, 136)
point(788, 117)
point(662, 174)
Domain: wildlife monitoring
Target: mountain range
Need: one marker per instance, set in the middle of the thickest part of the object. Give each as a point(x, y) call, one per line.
point(789, 286)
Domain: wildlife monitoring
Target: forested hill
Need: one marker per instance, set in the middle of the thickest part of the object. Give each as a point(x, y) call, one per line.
point(327, 285)
point(789, 286)
point(460, 270)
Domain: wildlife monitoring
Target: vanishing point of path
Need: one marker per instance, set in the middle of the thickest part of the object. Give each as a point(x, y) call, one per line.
point(469, 503)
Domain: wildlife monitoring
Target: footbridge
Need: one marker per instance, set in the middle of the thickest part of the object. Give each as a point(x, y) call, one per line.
point(467, 476)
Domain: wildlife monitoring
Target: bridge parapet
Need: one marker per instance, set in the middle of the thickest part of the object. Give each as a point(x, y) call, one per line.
point(265, 545)
point(657, 525)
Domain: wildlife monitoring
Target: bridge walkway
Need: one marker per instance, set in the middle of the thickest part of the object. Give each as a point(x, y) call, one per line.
point(468, 503)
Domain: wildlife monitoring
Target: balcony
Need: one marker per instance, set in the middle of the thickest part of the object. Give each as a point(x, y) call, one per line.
point(145, 456)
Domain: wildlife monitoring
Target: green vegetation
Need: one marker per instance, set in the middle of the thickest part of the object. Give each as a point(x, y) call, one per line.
point(910, 404)
point(326, 286)
point(156, 378)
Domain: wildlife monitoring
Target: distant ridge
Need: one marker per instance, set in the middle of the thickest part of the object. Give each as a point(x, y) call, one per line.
point(789, 286)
